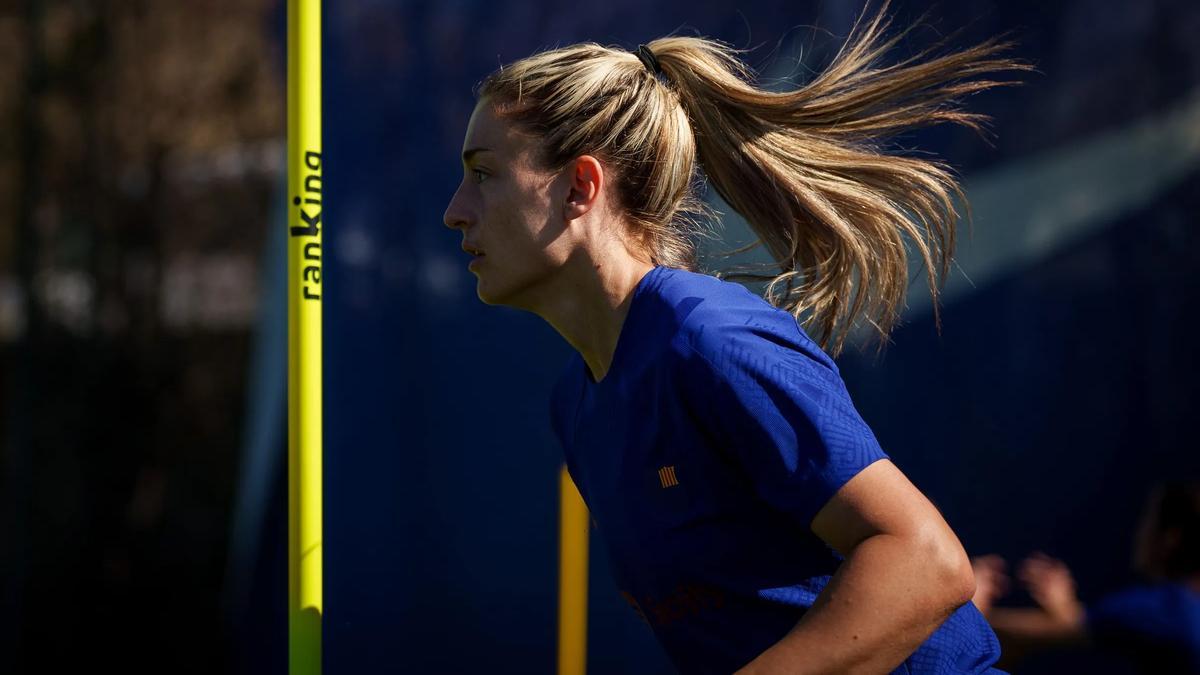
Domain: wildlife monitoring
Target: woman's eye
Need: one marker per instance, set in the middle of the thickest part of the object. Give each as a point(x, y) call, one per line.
point(480, 175)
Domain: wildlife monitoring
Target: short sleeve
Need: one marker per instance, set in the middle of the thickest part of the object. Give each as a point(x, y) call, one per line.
point(767, 396)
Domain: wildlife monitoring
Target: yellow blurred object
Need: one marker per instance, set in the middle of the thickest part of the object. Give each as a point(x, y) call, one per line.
point(572, 578)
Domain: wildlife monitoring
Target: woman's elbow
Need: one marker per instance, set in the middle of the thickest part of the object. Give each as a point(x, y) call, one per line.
point(954, 579)
point(960, 580)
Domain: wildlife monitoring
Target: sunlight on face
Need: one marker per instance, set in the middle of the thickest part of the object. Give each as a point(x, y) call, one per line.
point(505, 208)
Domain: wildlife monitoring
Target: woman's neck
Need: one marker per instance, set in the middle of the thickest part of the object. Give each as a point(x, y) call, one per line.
point(592, 307)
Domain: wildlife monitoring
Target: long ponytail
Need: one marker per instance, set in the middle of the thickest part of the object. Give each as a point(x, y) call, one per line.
point(805, 168)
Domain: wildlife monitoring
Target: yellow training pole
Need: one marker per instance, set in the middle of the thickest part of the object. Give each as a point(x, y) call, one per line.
point(572, 578)
point(304, 336)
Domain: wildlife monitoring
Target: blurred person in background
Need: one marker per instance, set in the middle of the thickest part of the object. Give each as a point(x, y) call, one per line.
point(1154, 625)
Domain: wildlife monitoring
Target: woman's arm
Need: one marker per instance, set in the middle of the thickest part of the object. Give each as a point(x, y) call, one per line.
point(905, 573)
point(1034, 624)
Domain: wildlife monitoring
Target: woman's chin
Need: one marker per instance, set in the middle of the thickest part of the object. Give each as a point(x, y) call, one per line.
point(491, 293)
point(485, 291)
point(504, 286)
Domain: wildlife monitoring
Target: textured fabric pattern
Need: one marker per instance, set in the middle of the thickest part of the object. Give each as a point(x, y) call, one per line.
point(777, 403)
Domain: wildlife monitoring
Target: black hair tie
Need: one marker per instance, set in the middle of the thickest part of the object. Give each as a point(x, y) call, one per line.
point(647, 58)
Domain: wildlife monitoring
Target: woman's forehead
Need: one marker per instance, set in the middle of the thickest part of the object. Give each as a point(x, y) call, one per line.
point(488, 131)
point(485, 129)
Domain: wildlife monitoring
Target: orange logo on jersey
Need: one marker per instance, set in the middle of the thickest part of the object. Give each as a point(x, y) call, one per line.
point(666, 476)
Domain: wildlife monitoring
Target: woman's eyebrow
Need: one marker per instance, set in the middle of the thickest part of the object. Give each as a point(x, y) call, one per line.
point(468, 154)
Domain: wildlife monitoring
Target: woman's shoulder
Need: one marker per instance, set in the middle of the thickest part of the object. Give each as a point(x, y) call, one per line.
point(725, 313)
point(728, 327)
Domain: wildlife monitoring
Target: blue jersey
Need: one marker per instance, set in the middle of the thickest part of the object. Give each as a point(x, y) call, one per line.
point(718, 432)
point(1157, 626)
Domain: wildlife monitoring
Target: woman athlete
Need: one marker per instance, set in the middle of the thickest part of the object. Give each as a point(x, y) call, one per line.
point(750, 515)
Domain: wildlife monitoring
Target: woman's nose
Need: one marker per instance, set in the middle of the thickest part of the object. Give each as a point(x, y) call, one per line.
point(455, 216)
point(455, 220)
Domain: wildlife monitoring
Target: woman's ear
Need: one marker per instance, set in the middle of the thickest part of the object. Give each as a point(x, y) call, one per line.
point(586, 183)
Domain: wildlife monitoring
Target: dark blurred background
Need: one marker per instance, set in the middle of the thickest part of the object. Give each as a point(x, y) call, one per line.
point(143, 335)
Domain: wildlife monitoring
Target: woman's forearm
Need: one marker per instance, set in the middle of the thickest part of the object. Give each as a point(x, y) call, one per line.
point(1033, 623)
point(885, 599)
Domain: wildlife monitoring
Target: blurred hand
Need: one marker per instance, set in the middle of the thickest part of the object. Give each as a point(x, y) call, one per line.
point(1051, 585)
point(991, 581)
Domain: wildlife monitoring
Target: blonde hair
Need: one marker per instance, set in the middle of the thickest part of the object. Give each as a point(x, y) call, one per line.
point(803, 167)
